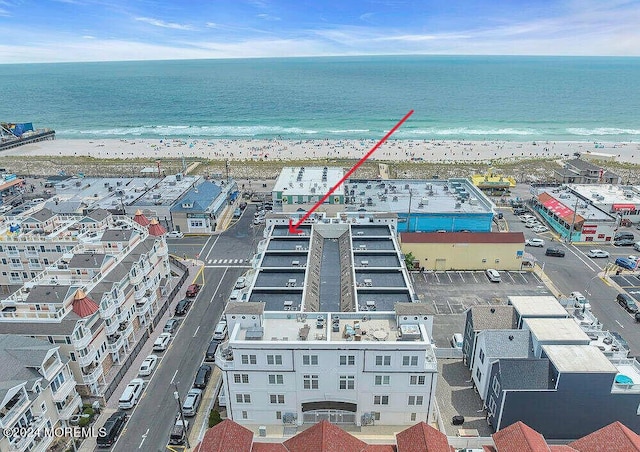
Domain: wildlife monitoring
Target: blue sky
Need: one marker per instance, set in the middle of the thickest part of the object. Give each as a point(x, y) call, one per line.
point(104, 30)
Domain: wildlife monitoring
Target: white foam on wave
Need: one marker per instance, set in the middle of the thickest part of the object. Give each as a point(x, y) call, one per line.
point(193, 131)
point(463, 131)
point(349, 131)
point(602, 131)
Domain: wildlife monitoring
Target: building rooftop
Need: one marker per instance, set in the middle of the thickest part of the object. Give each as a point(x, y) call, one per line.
point(493, 317)
point(198, 199)
point(104, 192)
point(20, 356)
point(506, 343)
point(537, 306)
point(600, 194)
point(556, 330)
point(563, 202)
point(524, 373)
point(309, 180)
point(578, 358)
point(613, 437)
point(519, 437)
point(167, 191)
point(456, 195)
point(462, 237)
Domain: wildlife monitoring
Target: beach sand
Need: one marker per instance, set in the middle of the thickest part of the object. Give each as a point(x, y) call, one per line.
point(282, 150)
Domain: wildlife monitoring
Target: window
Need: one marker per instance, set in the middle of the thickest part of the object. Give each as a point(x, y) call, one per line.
point(276, 398)
point(413, 417)
point(274, 359)
point(417, 379)
point(381, 380)
point(381, 400)
point(241, 378)
point(310, 381)
point(279, 415)
point(309, 360)
point(481, 356)
point(276, 379)
point(376, 415)
point(347, 382)
point(415, 400)
point(243, 398)
point(478, 374)
point(347, 360)
point(57, 382)
point(245, 415)
point(249, 359)
point(410, 360)
point(383, 360)
point(496, 385)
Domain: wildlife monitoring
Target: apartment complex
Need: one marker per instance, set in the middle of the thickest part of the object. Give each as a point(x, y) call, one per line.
point(330, 331)
point(94, 301)
point(37, 391)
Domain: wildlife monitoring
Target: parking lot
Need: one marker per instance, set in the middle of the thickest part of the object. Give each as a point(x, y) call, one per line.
point(470, 288)
point(630, 284)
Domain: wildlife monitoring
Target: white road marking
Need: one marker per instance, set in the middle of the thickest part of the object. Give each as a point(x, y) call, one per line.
point(212, 246)
point(218, 286)
point(196, 332)
point(620, 324)
point(573, 250)
point(174, 376)
point(143, 438)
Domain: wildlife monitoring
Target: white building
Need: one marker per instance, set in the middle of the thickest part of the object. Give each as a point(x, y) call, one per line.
point(329, 332)
point(37, 391)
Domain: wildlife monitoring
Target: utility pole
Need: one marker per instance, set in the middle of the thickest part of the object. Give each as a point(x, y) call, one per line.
point(176, 395)
point(226, 165)
point(573, 221)
point(409, 213)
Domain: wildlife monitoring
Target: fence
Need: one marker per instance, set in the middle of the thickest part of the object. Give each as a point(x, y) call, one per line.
point(158, 317)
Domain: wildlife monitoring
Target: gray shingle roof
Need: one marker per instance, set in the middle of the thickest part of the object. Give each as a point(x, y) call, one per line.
point(254, 307)
point(50, 293)
point(63, 328)
point(86, 260)
point(506, 343)
point(117, 235)
point(20, 356)
point(411, 309)
point(98, 214)
point(43, 215)
point(517, 373)
point(493, 317)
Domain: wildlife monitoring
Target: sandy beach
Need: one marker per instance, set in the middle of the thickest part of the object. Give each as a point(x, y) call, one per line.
point(282, 150)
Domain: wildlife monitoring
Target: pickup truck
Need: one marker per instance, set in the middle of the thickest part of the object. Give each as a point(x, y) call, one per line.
point(178, 431)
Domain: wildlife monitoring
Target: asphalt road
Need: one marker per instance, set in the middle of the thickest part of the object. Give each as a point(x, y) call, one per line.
point(151, 420)
point(578, 272)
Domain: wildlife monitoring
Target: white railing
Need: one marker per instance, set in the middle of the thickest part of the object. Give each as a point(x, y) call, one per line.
point(70, 408)
point(88, 358)
point(143, 308)
point(110, 311)
point(15, 411)
point(93, 376)
point(81, 343)
point(64, 390)
point(111, 328)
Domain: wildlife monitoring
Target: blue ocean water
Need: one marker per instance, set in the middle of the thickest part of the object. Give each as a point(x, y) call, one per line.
point(454, 97)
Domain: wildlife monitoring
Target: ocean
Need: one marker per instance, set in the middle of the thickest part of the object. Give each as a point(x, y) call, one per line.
point(454, 98)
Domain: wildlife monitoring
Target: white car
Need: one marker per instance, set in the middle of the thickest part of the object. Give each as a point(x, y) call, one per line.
point(579, 301)
point(534, 242)
point(175, 235)
point(148, 365)
point(532, 224)
point(162, 342)
point(526, 218)
point(493, 275)
point(241, 283)
point(598, 253)
point(540, 229)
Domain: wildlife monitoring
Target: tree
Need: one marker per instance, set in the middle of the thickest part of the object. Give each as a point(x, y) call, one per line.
point(408, 260)
point(214, 418)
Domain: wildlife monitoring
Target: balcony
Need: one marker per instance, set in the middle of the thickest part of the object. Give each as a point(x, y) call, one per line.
point(19, 444)
point(137, 279)
point(81, 343)
point(65, 389)
point(93, 375)
point(115, 342)
point(88, 358)
point(140, 293)
point(109, 312)
point(111, 328)
point(8, 417)
point(224, 357)
point(70, 408)
point(142, 307)
point(42, 444)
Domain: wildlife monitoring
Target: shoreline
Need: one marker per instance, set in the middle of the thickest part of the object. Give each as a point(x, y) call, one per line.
point(286, 149)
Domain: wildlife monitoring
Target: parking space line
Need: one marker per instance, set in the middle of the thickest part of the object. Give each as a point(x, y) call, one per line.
point(437, 277)
point(449, 305)
point(474, 276)
point(449, 275)
point(523, 278)
point(511, 276)
point(461, 277)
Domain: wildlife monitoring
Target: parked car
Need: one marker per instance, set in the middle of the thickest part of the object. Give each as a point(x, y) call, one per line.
point(171, 326)
point(183, 306)
point(579, 301)
point(162, 342)
point(131, 394)
point(191, 402)
point(534, 242)
point(456, 341)
point(598, 254)
point(112, 429)
point(221, 330)
point(193, 290)
point(636, 246)
point(557, 252)
point(148, 365)
point(540, 228)
point(211, 350)
point(202, 376)
point(623, 235)
point(241, 283)
point(175, 235)
point(624, 242)
point(493, 275)
point(625, 263)
point(627, 302)
point(178, 431)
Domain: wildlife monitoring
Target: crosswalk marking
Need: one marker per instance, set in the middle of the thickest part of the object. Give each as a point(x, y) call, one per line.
point(226, 261)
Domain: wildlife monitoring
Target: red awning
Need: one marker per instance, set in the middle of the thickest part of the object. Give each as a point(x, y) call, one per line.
point(559, 209)
point(624, 207)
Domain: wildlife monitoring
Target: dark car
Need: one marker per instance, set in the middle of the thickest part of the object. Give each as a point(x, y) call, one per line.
point(112, 429)
point(183, 306)
point(171, 326)
point(627, 302)
point(202, 377)
point(624, 242)
point(211, 351)
point(554, 252)
point(193, 290)
point(623, 235)
point(620, 339)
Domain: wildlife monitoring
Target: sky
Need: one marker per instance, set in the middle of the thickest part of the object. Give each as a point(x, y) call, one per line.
point(34, 31)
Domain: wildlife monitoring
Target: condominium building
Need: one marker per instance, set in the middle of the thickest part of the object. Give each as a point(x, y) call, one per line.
point(330, 331)
point(95, 301)
point(37, 391)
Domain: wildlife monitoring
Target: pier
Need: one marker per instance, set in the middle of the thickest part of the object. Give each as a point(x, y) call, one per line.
point(38, 135)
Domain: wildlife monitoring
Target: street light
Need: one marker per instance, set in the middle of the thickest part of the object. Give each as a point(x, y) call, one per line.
point(176, 395)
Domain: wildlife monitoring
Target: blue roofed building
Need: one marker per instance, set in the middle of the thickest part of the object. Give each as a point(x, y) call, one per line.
point(198, 211)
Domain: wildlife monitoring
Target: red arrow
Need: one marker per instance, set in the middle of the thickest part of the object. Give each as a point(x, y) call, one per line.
point(293, 228)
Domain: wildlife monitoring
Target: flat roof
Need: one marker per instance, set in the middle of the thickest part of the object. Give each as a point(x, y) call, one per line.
point(556, 330)
point(537, 305)
point(563, 203)
point(607, 193)
point(309, 180)
point(104, 192)
point(578, 358)
point(167, 191)
point(462, 237)
point(455, 195)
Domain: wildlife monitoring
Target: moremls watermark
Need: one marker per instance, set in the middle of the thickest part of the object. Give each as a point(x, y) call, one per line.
point(54, 432)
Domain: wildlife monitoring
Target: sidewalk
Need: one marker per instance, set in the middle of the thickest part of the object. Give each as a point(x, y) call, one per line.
point(201, 422)
point(547, 281)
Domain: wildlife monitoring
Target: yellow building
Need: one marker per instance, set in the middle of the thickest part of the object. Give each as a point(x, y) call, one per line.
point(465, 250)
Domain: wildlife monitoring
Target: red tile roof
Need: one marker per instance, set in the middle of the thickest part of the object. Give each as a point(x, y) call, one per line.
point(140, 218)
point(422, 438)
point(83, 305)
point(156, 229)
point(379, 448)
point(227, 436)
point(268, 447)
point(519, 437)
point(612, 438)
point(324, 437)
point(462, 237)
point(561, 449)
point(558, 208)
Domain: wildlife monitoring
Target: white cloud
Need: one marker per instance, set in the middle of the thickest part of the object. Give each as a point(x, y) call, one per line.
point(163, 24)
point(88, 37)
point(268, 17)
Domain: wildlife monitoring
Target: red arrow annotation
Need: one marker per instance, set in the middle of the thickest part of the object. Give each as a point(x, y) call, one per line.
point(293, 228)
